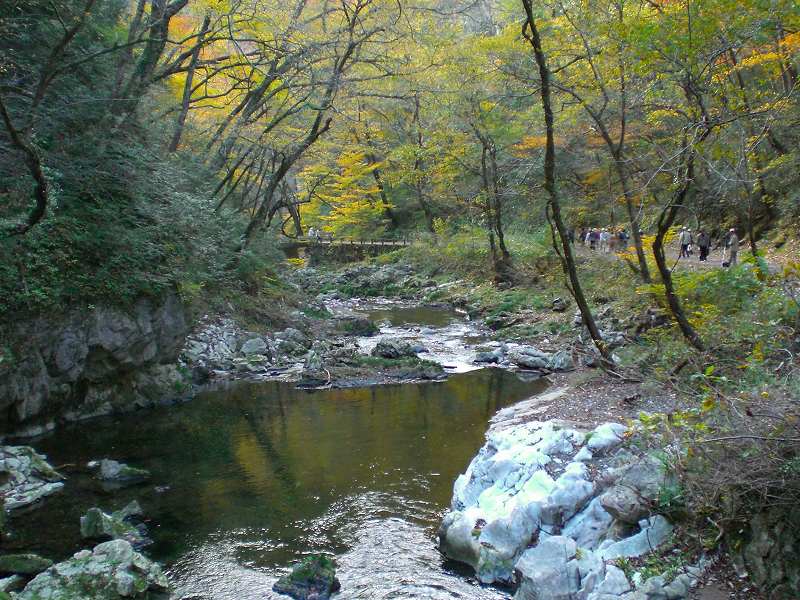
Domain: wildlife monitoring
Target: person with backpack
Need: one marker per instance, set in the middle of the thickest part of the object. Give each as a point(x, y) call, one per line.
point(622, 239)
point(704, 244)
point(594, 238)
point(685, 240)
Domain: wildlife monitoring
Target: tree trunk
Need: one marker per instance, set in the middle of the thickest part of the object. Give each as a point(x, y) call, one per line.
point(531, 33)
point(665, 221)
point(161, 14)
point(418, 166)
point(34, 165)
point(500, 260)
point(387, 208)
point(633, 219)
point(187, 87)
point(372, 159)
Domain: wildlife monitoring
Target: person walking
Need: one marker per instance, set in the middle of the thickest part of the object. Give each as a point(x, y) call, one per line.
point(685, 240)
point(732, 248)
point(703, 243)
point(622, 239)
point(604, 238)
point(594, 238)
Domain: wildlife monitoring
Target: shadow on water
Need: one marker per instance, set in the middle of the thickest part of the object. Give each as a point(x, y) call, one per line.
point(249, 477)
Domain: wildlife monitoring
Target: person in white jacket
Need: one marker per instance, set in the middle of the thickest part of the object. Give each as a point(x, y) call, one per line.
point(732, 247)
point(685, 240)
point(604, 239)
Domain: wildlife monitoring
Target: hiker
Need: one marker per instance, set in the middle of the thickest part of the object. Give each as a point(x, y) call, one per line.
point(583, 235)
point(704, 243)
point(594, 238)
point(731, 248)
point(312, 233)
point(622, 237)
point(571, 235)
point(685, 240)
point(605, 237)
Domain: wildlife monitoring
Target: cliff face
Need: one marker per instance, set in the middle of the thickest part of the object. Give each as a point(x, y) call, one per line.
point(90, 362)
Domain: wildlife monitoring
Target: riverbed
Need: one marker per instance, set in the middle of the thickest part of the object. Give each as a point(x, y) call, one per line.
point(251, 476)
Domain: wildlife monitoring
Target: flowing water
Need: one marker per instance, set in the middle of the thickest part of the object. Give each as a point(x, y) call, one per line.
point(248, 478)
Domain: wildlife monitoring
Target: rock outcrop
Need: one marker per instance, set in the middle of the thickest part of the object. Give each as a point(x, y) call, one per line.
point(531, 510)
point(91, 362)
point(770, 552)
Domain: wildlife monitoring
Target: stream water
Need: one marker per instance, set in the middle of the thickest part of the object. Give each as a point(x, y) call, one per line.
point(250, 477)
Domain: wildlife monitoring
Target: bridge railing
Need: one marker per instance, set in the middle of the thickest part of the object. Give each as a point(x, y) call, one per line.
point(371, 242)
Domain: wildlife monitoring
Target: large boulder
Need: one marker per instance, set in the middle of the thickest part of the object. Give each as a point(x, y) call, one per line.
point(556, 570)
point(112, 571)
point(614, 585)
point(356, 325)
point(255, 345)
point(561, 361)
point(290, 334)
point(393, 348)
point(26, 477)
point(123, 524)
point(313, 578)
point(533, 482)
point(117, 474)
point(529, 357)
point(770, 554)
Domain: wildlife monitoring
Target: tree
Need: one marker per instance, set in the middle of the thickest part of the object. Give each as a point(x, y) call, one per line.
point(530, 32)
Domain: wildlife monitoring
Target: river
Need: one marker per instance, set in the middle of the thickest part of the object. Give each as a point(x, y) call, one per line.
point(250, 477)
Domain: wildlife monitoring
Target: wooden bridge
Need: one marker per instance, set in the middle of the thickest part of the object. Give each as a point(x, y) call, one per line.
point(330, 249)
point(327, 241)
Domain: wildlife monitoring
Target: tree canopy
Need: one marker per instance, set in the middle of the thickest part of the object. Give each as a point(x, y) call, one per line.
point(374, 118)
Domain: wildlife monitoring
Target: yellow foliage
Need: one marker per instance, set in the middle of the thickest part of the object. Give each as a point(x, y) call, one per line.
point(593, 177)
point(791, 42)
point(759, 59)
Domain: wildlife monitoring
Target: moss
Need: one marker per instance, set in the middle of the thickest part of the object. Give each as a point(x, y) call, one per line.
point(317, 566)
point(314, 574)
point(24, 564)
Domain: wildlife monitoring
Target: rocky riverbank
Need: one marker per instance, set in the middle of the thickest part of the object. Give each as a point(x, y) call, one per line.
point(112, 570)
point(91, 361)
point(559, 511)
point(99, 360)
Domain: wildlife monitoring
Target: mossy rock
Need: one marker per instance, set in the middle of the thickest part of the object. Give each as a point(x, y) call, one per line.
point(23, 564)
point(356, 326)
point(312, 577)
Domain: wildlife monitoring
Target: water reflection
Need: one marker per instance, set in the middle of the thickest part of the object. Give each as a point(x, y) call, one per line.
point(259, 473)
point(401, 316)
